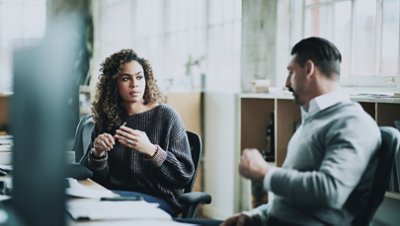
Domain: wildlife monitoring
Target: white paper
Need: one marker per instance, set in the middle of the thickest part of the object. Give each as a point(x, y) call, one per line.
point(76, 189)
point(6, 167)
point(90, 209)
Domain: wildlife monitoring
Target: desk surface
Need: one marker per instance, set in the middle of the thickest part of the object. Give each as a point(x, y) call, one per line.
point(142, 222)
point(93, 185)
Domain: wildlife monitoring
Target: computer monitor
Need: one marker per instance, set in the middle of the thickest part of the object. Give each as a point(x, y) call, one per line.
point(40, 125)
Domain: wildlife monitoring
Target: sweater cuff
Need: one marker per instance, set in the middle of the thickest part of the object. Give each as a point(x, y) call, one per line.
point(97, 163)
point(259, 215)
point(267, 178)
point(159, 157)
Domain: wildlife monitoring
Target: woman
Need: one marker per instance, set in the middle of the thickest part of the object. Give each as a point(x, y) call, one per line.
point(138, 144)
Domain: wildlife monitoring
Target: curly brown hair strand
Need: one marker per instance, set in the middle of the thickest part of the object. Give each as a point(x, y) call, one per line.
point(107, 109)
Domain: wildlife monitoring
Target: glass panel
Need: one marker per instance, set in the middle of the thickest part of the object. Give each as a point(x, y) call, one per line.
point(390, 37)
point(34, 20)
point(316, 21)
point(22, 22)
point(364, 38)
point(11, 21)
point(309, 2)
point(341, 33)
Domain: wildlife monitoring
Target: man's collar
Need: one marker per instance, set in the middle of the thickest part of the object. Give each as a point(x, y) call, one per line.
point(322, 102)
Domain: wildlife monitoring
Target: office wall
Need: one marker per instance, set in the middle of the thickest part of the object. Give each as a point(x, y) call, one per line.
point(258, 46)
point(220, 158)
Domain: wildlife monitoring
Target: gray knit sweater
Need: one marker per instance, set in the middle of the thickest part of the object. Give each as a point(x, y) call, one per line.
point(165, 175)
point(326, 175)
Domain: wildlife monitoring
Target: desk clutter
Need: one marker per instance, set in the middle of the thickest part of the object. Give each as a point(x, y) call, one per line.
point(6, 145)
point(92, 209)
point(90, 202)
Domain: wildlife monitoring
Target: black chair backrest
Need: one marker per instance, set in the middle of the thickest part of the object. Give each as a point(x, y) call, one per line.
point(83, 136)
point(196, 149)
point(390, 145)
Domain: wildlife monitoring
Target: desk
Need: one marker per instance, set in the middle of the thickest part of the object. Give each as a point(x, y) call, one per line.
point(93, 185)
point(88, 183)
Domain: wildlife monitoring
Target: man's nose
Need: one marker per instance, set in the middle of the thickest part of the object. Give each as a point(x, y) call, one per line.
point(288, 83)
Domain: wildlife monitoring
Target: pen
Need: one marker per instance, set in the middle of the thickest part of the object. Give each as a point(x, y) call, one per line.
point(130, 198)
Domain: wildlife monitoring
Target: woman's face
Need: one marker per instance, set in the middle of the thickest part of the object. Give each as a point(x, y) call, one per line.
point(131, 82)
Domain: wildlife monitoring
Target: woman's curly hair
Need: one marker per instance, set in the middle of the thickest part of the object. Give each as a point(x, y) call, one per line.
point(108, 112)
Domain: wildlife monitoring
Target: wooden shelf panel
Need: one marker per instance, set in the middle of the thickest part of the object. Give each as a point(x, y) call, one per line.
point(255, 116)
point(387, 114)
point(370, 108)
point(4, 106)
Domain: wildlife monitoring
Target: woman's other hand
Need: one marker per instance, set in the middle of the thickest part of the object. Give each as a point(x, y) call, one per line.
point(135, 139)
point(104, 142)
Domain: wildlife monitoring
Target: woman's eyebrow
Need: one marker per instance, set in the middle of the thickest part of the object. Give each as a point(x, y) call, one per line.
point(137, 73)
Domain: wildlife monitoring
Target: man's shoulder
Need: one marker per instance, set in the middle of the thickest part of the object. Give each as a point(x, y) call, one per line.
point(349, 107)
point(347, 114)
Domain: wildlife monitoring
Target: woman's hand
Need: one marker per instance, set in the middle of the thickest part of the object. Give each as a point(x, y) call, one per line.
point(135, 139)
point(104, 142)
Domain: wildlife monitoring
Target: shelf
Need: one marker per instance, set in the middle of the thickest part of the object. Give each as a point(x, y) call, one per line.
point(256, 108)
point(376, 99)
point(280, 95)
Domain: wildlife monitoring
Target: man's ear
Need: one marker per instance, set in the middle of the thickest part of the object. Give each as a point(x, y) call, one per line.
point(309, 67)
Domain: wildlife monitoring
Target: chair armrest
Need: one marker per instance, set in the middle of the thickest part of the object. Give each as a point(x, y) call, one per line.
point(195, 198)
point(190, 202)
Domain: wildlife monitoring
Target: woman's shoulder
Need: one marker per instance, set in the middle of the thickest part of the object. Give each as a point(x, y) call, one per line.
point(169, 113)
point(167, 109)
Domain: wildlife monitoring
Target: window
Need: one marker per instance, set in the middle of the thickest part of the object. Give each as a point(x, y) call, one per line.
point(22, 23)
point(185, 40)
point(366, 32)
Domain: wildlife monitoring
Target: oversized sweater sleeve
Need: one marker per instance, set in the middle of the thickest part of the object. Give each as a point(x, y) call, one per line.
point(99, 166)
point(346, 146)
point(175, 165)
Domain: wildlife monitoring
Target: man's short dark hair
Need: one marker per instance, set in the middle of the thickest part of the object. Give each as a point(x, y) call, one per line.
point(321, 52)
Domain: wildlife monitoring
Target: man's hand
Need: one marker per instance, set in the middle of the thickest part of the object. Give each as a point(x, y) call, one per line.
point(252, 165)
point(241, 219)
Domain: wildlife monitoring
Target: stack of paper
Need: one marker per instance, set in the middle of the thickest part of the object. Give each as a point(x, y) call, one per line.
point(6, 145)
point(86, 205)
point(90, 209)
point(75, 189)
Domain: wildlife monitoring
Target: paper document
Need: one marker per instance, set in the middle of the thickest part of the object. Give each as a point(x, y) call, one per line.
point(7, 168)
point(5, 147)
point(90, 209)
point(76, 189)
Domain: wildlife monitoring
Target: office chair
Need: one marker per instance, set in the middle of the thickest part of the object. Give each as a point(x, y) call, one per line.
point(390, 145)
point(82, 136)
point(189, 200)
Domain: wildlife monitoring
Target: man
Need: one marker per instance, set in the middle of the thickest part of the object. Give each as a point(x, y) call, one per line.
point(324, 179)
